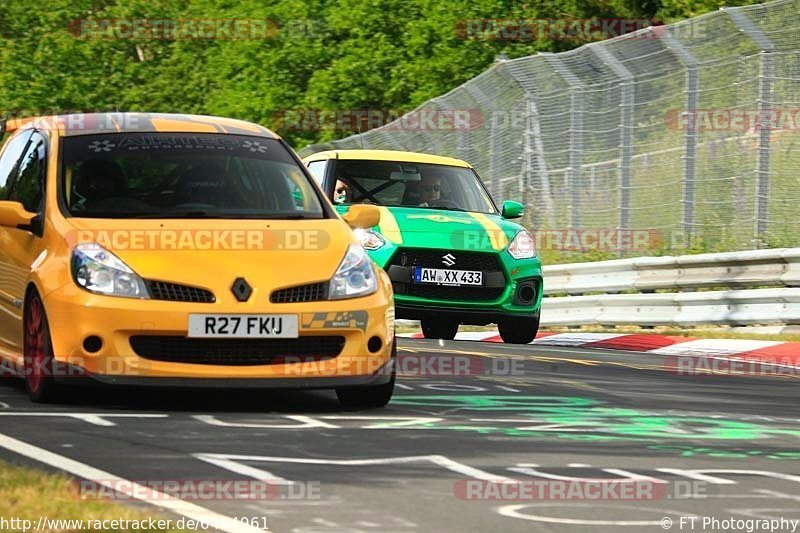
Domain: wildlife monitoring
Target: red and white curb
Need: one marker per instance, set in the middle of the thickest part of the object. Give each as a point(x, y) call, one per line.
point(785, 352)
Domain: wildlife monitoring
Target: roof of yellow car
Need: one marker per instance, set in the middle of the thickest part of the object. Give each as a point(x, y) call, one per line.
point(389, 155)
point(99, 123)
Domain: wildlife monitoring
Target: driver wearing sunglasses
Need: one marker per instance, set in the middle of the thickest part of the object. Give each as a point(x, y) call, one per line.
point(342, 194)
point(430, 190)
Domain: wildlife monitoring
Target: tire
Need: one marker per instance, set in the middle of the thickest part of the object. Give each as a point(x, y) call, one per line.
point(439, 328)
point(519, 330)
point(369, 396)
point(38, 352)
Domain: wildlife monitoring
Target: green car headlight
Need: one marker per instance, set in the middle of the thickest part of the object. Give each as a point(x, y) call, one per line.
point(370, 239)
point(522, 246)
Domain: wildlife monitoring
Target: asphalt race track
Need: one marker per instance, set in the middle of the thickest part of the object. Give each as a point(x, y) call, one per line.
point(714, 446)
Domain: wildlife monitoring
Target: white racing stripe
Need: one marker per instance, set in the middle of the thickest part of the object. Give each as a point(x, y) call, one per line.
point(714, 347)
point(575, 339)
point(696, 347)
point(124, 486)
point(475, 335)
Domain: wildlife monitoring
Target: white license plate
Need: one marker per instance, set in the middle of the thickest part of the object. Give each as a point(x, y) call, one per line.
point(442, 276)
point(243, 326)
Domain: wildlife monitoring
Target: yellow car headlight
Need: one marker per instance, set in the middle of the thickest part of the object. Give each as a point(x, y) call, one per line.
point(97, 270)
point(355, 276)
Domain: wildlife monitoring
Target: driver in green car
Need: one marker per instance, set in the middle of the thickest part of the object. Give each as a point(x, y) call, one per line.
point(430, 189)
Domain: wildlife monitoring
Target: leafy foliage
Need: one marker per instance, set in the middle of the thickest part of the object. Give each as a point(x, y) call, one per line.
point(324, 54)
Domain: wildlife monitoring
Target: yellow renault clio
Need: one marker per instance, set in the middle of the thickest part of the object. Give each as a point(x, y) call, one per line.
point(182, 251)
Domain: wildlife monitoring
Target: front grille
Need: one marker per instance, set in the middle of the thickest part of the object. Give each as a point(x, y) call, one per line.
point(173, 292)
point(314, 292)
point(484, 261)
point(235, 352)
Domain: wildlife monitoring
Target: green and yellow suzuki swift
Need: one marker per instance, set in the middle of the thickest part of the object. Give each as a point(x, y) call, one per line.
point(452, 257)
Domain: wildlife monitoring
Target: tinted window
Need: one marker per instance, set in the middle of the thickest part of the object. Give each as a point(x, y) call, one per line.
point(28, 186)
point(8, 160)
point(184, 175)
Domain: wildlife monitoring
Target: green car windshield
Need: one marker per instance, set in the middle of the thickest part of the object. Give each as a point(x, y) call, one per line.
point(396, 184)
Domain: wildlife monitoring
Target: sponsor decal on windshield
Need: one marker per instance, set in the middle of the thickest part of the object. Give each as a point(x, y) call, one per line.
point(159, 141)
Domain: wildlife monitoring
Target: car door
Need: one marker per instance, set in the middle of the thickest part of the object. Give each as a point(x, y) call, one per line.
point(20, 248)
point(9, 308)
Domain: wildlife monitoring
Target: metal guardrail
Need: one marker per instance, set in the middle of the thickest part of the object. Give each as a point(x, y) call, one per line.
point(736, 308)
point(758, 268)
point(734, 270)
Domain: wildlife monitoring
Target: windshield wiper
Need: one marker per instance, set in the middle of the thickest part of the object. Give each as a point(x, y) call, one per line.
point(191, 215)
point(175, 214)
point(444, 208)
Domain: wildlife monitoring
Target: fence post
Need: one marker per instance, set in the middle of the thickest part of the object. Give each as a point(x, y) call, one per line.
point(626, 130)
point(534, 169)
point(495, 186)
point(765, 78)
point(690, 138)
point(575, 169)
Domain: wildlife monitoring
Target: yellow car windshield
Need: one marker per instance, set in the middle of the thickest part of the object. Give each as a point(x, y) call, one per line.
point(184, 175)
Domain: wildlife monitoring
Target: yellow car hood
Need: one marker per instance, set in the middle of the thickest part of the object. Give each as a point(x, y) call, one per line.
point(212, 253)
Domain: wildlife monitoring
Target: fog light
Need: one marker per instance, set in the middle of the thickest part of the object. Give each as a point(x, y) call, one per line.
point(526, 294)
point(374, 344)
point(92, 344)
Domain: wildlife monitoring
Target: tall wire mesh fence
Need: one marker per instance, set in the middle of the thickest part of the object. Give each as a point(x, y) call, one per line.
point(689, 131)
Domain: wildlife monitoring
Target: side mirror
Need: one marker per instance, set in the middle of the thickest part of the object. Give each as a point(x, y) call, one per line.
point(512, 209)
point(362, 216)
point(14, 215)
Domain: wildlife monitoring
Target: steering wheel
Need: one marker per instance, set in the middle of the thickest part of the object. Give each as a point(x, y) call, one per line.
point(443, 202)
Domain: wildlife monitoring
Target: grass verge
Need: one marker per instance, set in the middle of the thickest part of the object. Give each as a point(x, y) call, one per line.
point(27, 494)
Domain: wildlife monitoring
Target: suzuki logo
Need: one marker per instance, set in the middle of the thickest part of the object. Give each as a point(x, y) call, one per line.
point(449, 260)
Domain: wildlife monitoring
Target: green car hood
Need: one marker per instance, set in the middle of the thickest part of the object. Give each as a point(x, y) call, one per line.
point(450, 230)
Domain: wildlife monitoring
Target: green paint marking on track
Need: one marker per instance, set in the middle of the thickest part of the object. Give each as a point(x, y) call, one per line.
point(717, 453)
point(576, 418)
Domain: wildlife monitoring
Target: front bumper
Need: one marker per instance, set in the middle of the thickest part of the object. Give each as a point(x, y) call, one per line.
point(381, 377)
point(75, 314)
point(478, 317)
point(499, 297)
point(508, 301)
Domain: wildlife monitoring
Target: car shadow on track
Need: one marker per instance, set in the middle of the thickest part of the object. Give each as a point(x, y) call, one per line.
point(144, 399)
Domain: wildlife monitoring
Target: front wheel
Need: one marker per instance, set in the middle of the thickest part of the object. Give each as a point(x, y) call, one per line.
point(521, 330)
point(370, 396)
point(38, 356)
point(439, 328)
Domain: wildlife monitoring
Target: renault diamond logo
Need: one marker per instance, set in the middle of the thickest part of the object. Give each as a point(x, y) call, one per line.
point(449, 260)
point(241, 289)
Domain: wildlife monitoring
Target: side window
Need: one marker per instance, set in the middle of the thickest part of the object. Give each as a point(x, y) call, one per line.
point(9, 159)
point(317, 169)
point(28, 187)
